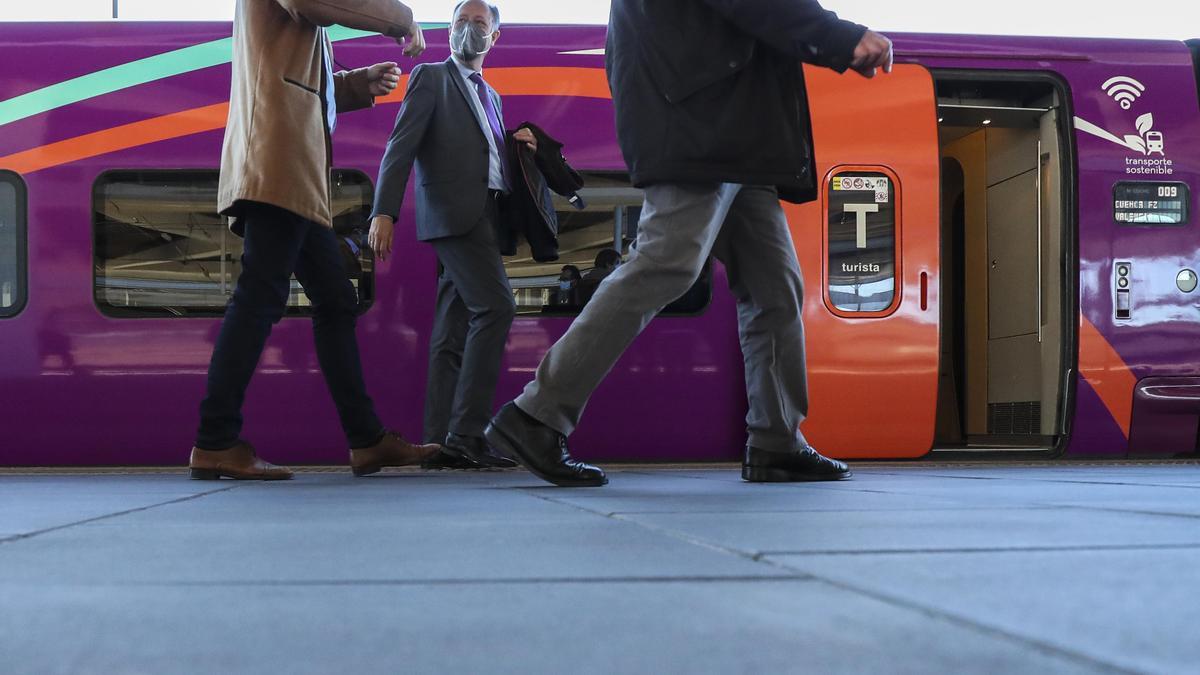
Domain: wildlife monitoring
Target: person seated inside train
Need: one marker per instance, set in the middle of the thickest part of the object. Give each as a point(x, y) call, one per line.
point(606, 261)
point(567, 293)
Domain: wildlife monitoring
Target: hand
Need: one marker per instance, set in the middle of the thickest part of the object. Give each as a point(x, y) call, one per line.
point(382, 78)
point(414, 44)
point(525, 135)
point(380, 236)
point(873, 51)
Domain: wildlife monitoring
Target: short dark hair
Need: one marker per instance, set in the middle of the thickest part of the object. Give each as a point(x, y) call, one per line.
point(607, 257)
point(494, 9)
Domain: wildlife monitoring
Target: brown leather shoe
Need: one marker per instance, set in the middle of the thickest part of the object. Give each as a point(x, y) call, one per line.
point(391, 450)
point(239, 462)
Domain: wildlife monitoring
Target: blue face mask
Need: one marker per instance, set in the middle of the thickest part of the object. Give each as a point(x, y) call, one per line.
point(565, 284)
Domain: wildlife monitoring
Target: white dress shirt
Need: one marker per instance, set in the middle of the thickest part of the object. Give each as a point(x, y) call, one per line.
point(495, 174)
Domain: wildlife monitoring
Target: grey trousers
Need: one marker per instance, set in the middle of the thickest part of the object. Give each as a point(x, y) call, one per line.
point(475, 309)
point(744, 227)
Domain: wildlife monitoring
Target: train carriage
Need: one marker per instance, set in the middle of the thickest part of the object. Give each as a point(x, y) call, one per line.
point(1003, 256)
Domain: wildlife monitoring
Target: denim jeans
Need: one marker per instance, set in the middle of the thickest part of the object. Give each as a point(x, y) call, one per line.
point(277, 244)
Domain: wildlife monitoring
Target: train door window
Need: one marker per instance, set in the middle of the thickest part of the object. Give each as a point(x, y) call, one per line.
point(161, 249)
point(592, 242)
point(861, 237)
point(13, 205)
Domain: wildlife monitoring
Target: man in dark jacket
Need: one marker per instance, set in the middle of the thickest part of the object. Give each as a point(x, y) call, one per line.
point(712, 119)
point(529, 209)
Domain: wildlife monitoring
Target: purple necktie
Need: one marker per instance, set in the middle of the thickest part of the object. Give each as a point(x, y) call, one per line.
point(493, 119)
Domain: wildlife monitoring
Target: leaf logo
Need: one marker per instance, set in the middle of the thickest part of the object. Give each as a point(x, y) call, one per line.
point(1145, 123)
point(1148, 141)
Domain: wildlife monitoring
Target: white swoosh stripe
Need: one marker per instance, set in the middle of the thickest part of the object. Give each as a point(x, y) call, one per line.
point(1087, 127)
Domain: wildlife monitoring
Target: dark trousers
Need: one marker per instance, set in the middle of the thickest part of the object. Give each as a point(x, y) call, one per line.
point(279, 243)
point(475, 309)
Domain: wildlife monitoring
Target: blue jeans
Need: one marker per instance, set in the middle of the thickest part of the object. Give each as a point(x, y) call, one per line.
point(277, 244)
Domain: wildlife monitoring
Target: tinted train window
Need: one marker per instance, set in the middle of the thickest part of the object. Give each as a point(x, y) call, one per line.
point(162, 249)
point(12, 243)
point(861, 241)
point(591, 244)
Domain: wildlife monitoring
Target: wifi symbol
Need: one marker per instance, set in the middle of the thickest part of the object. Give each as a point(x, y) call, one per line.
point(1124, 90)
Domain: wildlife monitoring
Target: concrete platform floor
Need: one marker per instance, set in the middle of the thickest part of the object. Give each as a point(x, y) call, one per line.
point(1044, 567)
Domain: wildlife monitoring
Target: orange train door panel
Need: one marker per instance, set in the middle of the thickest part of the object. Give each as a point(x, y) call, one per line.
point(869, 251)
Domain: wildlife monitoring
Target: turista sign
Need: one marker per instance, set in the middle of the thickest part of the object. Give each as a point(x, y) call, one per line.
point(862, 241)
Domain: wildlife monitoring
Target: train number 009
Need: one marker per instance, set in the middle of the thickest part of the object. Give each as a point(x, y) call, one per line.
point(1168, 190)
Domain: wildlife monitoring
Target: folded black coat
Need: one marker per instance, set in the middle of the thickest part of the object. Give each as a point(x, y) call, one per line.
point(529, 209)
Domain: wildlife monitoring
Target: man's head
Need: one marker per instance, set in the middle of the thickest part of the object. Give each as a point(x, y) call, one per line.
point(474, 29)
point(607, 259)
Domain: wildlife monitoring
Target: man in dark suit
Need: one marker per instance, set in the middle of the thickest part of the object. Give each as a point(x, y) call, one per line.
point(451, 128)
point(713, 123)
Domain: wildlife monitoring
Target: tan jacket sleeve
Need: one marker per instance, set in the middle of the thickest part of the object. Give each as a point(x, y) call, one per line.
point(351, 91)
point(389, 17)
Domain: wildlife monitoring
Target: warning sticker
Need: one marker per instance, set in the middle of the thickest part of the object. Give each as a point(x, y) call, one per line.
point(873, 183)
point(880, 185)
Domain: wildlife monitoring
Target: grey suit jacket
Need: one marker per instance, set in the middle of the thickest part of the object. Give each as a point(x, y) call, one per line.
point(438, 130)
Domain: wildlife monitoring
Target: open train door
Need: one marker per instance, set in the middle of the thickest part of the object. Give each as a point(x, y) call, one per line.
point(869, 250)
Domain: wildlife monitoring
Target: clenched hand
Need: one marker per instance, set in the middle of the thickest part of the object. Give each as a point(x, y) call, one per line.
point(526, 136)
point(873, 51)
point(382, 78)
point(414, 44)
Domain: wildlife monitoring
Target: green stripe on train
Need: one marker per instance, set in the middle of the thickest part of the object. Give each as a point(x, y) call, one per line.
point(132, 74)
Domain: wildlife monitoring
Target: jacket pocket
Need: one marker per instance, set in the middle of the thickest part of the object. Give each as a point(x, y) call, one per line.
point(304, 87)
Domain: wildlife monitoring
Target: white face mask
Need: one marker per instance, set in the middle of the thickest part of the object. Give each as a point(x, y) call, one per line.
point(467, 41)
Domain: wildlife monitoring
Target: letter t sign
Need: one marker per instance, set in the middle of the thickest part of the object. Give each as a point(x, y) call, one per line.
point(860, 212)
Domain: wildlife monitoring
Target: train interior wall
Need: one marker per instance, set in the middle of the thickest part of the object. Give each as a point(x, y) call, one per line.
point(1001, 368)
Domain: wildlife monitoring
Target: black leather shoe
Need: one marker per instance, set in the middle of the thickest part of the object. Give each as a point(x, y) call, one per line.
point(472, 452)
point(541, 449)
point(805, 464)
point(446, 459)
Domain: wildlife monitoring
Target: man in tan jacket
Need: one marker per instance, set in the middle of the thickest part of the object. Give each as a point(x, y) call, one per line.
point(275, 173)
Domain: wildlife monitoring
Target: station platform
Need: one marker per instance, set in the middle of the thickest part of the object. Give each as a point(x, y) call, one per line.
point(907, 568)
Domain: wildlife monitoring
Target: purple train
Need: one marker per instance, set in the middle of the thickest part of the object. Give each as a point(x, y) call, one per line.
point(1004, 254)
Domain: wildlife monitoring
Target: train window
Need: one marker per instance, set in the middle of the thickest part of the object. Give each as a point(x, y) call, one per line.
point(591, 243)
point(861, 242)
point(12, 243)
point(161, 249)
